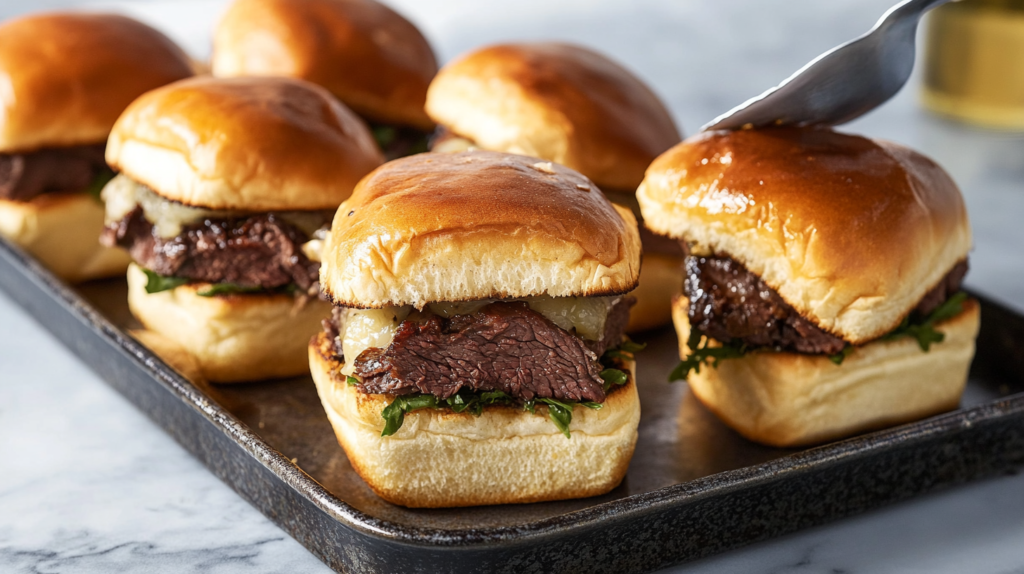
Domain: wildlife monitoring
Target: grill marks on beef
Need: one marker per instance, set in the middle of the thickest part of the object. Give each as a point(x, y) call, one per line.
point(24, 176)
point(505, 346)
point(729, 303)
point(260, 250)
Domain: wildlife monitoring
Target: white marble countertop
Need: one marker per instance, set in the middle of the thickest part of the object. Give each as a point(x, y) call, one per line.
point(88, 484)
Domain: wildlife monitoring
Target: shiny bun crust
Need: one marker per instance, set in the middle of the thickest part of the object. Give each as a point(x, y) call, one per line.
point(791, 400)
point(62, 231)
point(476, 225)
point(560, 102)
point(234, 338)
point(67, 76)
point(434, 460)
point(253, 144)
point(851, 232)
point(363, 52)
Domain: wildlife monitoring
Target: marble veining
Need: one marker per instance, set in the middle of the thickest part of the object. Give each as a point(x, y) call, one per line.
point(89, 485)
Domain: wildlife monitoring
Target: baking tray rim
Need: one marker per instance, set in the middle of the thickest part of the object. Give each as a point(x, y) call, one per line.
point(633, 506)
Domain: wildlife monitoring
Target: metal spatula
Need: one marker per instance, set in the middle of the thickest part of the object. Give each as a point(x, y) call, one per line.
point(842, 84)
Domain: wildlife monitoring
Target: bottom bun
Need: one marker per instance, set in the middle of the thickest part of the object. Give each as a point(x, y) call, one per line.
point(62, 231)
point(234, 338)
point(506, 455)
point(661, 279)
point(789, 399)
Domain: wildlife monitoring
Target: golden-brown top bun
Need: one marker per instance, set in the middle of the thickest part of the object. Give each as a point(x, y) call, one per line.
point(65, 77)
point(559, 102)
point(254, 144)
point(851, 232)
point(365, 53)
point(477, 225)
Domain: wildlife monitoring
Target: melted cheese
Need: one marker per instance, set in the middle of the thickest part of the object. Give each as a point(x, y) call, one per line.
point(123, 194)
point(375, 328)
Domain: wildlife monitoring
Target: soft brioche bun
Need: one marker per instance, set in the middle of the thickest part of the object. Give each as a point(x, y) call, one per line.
point(661, 279)
point(170, 352)
point(476, 225)
point(363, 52)
point(788, 399)
point(252, 144)
point(67, 76)
point(62, 231)
point(851, 232)
point(504, 456)
point(234, 338)
point(559, 102)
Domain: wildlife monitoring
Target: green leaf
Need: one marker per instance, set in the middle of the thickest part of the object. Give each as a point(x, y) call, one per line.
point(924, 331)
point(703, 354)
point(593, 405)
point(228, 289)
point(613, 377)
point(560, 413)
point(491, 397)
point(385, 135)
point(352, 381)
point(839, 357)
point(156, 283)
point(530, 405)
point(631, 347)
point(99, 182)
point(394, 413)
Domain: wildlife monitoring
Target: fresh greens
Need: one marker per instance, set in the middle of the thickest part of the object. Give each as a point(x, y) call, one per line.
point(701, 353)
point(473, 402)
point(156, 283)
point(352, 381)
point(99, 182)
point(384, 135)
point(924, 331)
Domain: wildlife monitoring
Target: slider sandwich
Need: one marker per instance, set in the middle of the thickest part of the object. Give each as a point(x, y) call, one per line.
point(64, 80)
point(366, 54)
point(573, 106)
point(476, 352)
point(822, 293)
point(226, 187)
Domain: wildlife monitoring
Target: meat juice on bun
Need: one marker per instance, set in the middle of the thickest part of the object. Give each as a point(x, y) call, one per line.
point(573, 106)
point(66, 77)
point(366, 54)
point(225, 186)
point(822, 292)
point(476, 352)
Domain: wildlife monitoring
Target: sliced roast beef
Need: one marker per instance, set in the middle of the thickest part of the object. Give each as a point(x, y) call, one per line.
point(505, 346)
point(729, 303)
point(260, 250)
point(24, 176)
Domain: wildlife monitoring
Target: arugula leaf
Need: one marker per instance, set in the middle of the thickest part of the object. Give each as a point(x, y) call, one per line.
point(703, 355)
point(613, 377)
point(394, 413)
point(630, 347)
point(384, 135)
point(352, 381)
point(228, 289)
point(156, 283)
point(99, 182)
point(593, 405)
point(839, 357)
point(560, 413)
point(924, 331)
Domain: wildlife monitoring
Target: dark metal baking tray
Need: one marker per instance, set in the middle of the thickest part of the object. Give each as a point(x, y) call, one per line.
point(694, 487)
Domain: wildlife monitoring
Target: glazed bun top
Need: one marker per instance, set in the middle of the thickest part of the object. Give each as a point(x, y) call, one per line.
point(65, 77)
point(363, 52)
point(851, 232)
point(560, 102)
point(252, 144)
point(477, 225)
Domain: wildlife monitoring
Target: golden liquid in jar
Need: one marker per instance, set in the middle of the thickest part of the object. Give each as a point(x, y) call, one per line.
point(974, 62)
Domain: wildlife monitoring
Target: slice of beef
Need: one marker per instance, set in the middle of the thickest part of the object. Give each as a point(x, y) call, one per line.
point(614, 326)
point(729, 303)
point(260, 250)
point(505, 346)
point(24, 176)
